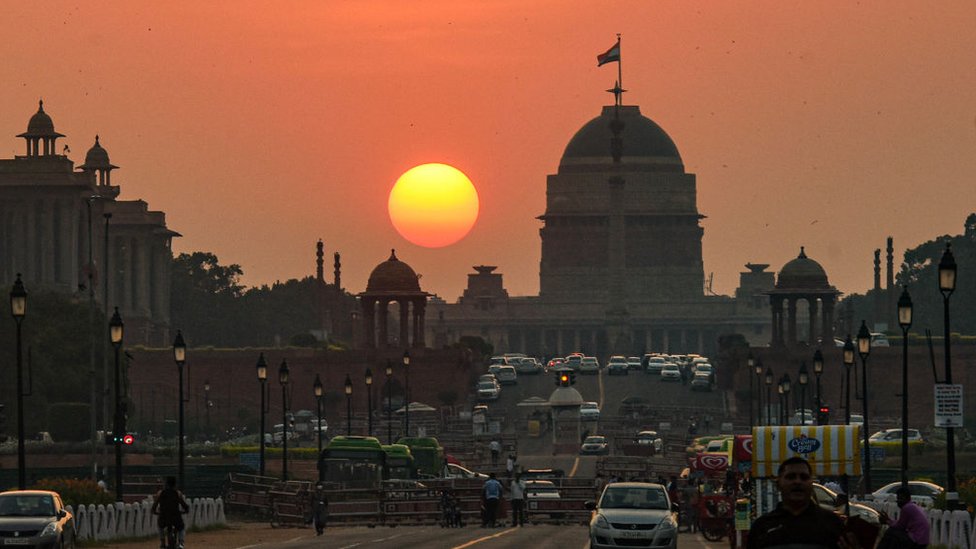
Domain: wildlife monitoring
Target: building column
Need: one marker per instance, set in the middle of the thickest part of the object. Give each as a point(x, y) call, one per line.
point(142, 278)
point(369, 322)
point(791, 321)
point(420, 312)
point(384, 317)
point(404, 304)
point(812, 302)
point(828, 321)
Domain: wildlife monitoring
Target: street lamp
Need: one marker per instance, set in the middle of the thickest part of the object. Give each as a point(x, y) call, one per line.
point(179, 355)
point(18, 309)
point(947, 284)
point(758, 370)
point(817, 370)
point(262, 381)
point(803, 379)
point(786, 398)
point(389, 401)
point(369, 402)
point(769, 402)
point(206, 404)
point(406, 392)
point(780, 413)
point(864, 349)
point(905, 321)
point(848, 364)
point(348, 388)
point(750, 363)
point(317, 389)
point(115, 327)
point(283, 380)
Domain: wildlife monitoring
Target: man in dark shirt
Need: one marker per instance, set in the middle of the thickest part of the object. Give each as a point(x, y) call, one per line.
point(170, 505)
point(797, 522)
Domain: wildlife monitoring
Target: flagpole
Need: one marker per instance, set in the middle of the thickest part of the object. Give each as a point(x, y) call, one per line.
point(620, 62)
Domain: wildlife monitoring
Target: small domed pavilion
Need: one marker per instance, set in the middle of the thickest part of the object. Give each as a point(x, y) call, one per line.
point(393, 280)
point(803, 278)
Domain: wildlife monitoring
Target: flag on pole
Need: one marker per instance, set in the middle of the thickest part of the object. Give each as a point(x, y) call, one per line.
point(609, 56)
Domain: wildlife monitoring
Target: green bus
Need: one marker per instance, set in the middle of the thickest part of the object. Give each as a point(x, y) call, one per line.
point(353, 460)
point(428, 454)
point(399, 462)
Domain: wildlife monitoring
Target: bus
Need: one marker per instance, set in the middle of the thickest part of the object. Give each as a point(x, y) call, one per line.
point(428, 454)
point(355, 460)
point(399, 462)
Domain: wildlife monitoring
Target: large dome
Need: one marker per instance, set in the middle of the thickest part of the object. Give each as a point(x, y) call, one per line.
point(802, 273)
point(393, 275)
point(644, 143)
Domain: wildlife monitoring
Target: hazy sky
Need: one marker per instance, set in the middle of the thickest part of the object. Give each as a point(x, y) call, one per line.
point(260, 127)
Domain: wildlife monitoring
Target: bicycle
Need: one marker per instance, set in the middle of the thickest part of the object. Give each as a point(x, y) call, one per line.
point(172, 537)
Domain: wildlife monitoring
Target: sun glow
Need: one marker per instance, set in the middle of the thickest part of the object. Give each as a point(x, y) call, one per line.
point(433, 205)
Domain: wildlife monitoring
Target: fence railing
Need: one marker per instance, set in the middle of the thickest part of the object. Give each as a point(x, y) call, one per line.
point(135, 520)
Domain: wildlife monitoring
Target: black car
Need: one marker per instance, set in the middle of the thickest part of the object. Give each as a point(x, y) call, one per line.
point(35, 518)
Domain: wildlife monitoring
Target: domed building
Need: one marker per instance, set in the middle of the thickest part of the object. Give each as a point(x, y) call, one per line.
point(48, 209)
point(621, 268)
point(393, 282)
point(803, 280)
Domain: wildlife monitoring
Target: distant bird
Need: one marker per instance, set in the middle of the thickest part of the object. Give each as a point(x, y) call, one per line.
point(66, 149)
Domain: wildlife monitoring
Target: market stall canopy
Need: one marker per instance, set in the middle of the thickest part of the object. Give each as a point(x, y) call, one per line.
point(832, 450)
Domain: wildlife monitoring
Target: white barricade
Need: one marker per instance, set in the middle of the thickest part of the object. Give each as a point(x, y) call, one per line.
point(954, 529)
point(135, 520)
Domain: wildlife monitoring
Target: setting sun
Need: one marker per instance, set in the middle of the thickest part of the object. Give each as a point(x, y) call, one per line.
point(433, 205)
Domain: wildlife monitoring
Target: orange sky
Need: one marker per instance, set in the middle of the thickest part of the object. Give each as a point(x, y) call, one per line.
point(260, 127)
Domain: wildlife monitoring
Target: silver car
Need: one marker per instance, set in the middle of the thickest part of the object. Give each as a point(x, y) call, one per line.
point(633, 514)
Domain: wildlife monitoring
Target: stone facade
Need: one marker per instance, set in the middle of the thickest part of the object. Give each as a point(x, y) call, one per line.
point(53, 216)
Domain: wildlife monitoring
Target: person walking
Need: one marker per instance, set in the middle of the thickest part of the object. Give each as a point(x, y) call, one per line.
point(510, 465)
point(319, 506)
point(495, 448)
point(492, 493)
point(516, 491)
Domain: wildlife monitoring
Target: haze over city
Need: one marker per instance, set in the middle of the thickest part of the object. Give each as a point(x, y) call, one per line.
point(260, 129)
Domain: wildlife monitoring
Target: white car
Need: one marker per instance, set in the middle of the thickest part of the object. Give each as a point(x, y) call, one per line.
point(529, 366)
point(589, 411)
point(595, 444)
point(650, 438)
point(540, 489)
point(923, 493)
point(654, 365)
point(589, 365)
point(636, 514)
point(488, 390)
point(670, 372)
point(506, 375)
point(857, 419)
point(633, 363)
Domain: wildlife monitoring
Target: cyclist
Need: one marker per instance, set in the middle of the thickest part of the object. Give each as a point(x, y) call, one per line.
point(170, 505)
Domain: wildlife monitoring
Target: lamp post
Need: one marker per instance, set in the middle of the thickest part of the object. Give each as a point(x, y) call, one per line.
point(389, 401)
point(803, 378)
point(779, 401)
point(206, 403)
point(864, 349)
point(817, 370)
point(905, 321)
point(179, 355)
point(348, 388)
point(262, 368)
point(947, 284)
point(369, 402)
point(115, 327)
point(406, 392)
point(758, 370)
point(93, 388)
point(18, 309)
point(786, 398)
point(283, 380)
point(750, 363)
point(848, 364)
point(769, 401)
point(317, 389)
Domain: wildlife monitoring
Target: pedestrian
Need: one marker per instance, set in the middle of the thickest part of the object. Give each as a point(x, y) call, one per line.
point(319, 507)
point(516, 491)
point(495, 448)
point(599, 483)
point(797, 521)
point(510, 465)
point(708, 421)
point(911, 530)
point(492, 493)
point(445, 468)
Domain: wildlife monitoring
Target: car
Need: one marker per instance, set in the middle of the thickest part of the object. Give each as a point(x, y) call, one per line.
point(857, 419)
point(923, 493)
point(595, 445)
point(555, 363)
point(506, 375)
point(654, 365)
point(488, 390)
point(456, 471)
point(589, 411)
point(701, 381)
point(540, 489)
point(701, 367)
point(827, 499)
point(634, 363)
point(574, 362)
point(636, 514)
point(35, 518)
point(892, 438)
point(542, 474)
point(650, 438)
point(589, 365)
point(617, 367)
point(804, 416)
point(879, 340)
point(670, 372)
point(528, 366)
point(488, 377)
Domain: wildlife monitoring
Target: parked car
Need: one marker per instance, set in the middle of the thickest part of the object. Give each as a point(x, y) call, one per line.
point(650, 438)
point(35, 518)
point(701, 381)
point(540, 489)
point(857, 419)
point(923, 493)
point(488, 377)
point(589, 365)
point(803, 416)
point(595, 445)
point(488, 390)
point(635, 513)
point(892, 438)
point(506, 375)
point(589, 411)
point(670, 372)
point(827, 498)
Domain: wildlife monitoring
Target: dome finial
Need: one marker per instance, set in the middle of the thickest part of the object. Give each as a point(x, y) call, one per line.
point(803, 254)
point(40, 105)
point(96, 139)
point(393, 256)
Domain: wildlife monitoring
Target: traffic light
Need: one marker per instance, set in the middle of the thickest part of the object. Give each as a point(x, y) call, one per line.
point(823, 415)
point(572, 377)
point(562, 380)
point(127, 439)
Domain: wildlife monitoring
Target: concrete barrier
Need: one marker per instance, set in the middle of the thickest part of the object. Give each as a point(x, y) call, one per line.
point(135, 520)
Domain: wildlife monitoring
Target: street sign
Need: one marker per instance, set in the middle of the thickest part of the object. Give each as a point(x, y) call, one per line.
point(948, 405)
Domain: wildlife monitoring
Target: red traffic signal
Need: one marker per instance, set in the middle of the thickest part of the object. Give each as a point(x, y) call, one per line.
point(128, 440)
